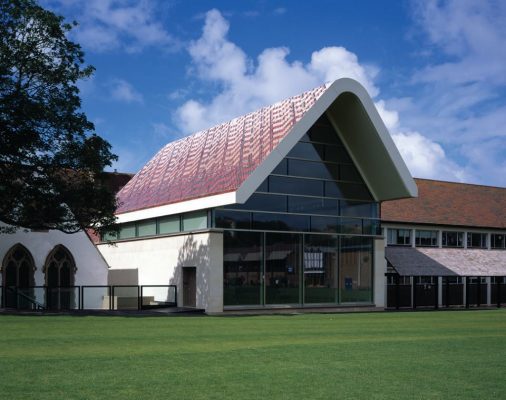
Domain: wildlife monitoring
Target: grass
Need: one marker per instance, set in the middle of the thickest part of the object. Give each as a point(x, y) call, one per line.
point(423, 355)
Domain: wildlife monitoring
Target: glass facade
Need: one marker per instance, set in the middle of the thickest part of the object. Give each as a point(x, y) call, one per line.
point(453, 239)
point(399, 237)
point(476, 240)
point(306, 235)
point(426, 238)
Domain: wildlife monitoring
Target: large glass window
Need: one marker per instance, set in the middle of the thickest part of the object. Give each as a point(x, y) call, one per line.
point(242, 268)
point(127, 231)
point(498, 240)
point(399, 237)
point(320, 269)
point(425, 238)
point(477, 240)
point(282, 268)
point(453, 239)
point(355, 269)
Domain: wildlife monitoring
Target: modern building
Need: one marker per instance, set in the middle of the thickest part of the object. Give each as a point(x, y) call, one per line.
point(447, 246)
point(277, 208)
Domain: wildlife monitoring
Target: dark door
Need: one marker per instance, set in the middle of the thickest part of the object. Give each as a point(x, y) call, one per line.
point(189, 286)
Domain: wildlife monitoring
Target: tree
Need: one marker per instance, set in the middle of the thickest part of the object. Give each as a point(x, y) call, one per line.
point(51, 160)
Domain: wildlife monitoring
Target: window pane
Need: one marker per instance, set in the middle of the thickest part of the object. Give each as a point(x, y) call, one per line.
point(168, 224)
point(477, 240)
point(242, 267)
point(337, 154)
point(312, 205)
point(313, 169)
point(324, 224)
point(308, 151)
point(282, 168)
point(350, 173)
point(280, 222)
point(323, 131)
point(355, 265)
point(127, 231)
point(310, 187)
point(196, 220)
point(498, 241)
point(320, 268)
point(351, 225)
point(359, 209)
point(282, 268)
point(232, 219)
point(401, 237)
point(263, 202)
point(453, 239)
point(146, 228)
point(426, 238)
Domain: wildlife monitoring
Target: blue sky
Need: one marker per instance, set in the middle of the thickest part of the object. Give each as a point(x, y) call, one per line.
point(435, 69)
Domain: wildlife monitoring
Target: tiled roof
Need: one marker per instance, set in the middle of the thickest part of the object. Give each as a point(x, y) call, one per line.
point(409, 261)
point(449, 203)
point(216, 160)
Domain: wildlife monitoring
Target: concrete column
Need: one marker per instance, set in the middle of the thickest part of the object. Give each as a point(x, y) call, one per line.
point(413, 240)
point(489, 290)
point(379, 278)
point(439, 238)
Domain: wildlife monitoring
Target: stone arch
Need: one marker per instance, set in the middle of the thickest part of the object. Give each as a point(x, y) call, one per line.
point(18, 267)
point(60, 268)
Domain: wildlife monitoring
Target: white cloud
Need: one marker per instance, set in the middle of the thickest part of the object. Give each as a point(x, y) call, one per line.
point(247, 85)
point(106, 25)
point(123, 91)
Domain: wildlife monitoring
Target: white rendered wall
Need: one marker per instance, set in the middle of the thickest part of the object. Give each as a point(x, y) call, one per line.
point(91, 267)
point(380, 268)
point(160, 261)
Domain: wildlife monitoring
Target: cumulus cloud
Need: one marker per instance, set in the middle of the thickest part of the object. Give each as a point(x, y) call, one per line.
point(247, 84)
point(123, 91)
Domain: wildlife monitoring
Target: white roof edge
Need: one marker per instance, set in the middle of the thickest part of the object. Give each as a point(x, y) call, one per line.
point(330, 95)
point(201, 203)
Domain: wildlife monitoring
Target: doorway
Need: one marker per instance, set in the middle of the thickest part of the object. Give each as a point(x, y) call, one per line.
point(189, 287)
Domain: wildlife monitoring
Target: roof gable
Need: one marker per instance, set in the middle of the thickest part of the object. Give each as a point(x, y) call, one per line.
point(226, 163)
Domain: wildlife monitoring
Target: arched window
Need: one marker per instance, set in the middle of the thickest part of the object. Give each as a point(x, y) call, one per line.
point(60, 268)
point(18, 267)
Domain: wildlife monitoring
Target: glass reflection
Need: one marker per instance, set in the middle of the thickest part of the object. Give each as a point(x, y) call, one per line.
point(320, 269)
point(242, 265)
point(282, 268)
point(355, 270)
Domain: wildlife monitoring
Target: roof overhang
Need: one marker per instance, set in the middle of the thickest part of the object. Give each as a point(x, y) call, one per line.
point(361, 129)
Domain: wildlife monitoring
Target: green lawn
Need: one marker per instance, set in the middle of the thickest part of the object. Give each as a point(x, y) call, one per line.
point(423, 355)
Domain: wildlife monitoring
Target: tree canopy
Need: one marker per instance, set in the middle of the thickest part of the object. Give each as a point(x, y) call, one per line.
point(51, 160)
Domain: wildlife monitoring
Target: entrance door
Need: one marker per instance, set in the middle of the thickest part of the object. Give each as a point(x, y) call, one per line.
point(189, 286)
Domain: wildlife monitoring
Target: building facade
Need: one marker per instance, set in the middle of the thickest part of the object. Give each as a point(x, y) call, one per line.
point(278, 208)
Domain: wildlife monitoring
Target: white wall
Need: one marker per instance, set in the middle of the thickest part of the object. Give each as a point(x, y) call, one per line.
point(91, 267)
point(160, 261)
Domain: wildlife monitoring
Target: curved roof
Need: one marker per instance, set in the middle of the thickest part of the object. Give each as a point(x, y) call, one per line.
point(226, 163)
point(216, 160)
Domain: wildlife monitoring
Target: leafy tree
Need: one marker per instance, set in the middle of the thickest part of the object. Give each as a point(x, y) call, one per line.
point(51, 160)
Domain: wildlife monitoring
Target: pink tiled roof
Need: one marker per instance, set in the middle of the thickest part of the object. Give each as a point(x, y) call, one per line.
point(215, 160)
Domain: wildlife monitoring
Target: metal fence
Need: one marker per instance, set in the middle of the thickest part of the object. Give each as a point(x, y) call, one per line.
point(117, 297)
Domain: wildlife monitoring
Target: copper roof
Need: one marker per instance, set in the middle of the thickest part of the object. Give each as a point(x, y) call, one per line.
point(215, 160)
point(449, 203)
point(420, 261)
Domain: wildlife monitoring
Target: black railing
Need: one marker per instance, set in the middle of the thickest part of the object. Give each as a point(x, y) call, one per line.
point(98, 297)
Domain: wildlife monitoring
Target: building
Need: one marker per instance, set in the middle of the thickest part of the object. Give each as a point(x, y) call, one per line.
point(446, 247)
point(277, 208)
point(45, 268)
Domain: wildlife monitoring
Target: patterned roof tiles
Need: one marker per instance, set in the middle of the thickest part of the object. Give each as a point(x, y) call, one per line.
point(215, 160)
